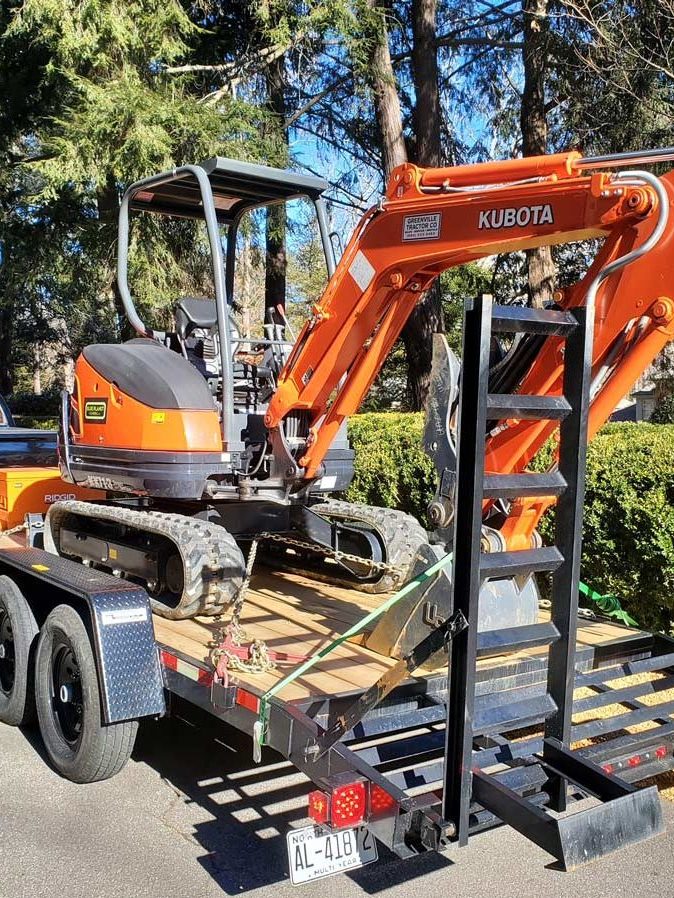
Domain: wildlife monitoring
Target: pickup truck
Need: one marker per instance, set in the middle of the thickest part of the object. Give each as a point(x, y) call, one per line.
point(24, 446)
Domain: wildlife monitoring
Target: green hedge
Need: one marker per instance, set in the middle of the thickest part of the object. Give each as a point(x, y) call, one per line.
point(628, 545)
point(46, 405)
point(392, 469)
point(37, 422)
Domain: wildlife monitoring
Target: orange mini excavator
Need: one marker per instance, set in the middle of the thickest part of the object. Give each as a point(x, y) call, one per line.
point(204, 441)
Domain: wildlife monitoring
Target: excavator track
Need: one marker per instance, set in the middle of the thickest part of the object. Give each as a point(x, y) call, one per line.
point(401, 535)
point(213, 567)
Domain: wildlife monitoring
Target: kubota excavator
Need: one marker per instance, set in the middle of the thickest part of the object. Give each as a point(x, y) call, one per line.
point(205, 441)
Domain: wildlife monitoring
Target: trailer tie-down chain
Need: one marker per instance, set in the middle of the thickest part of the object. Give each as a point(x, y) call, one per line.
point(336, 554)
point(17, 529)
point(224, 655)
point(261, 724)
point(257, 657)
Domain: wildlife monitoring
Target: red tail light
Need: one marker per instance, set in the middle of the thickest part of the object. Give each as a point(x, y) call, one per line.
point(319, 807)
point(380, 801)
point(349, 804)
point(662, 751)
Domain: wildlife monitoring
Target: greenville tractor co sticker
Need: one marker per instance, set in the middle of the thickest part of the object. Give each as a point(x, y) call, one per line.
point(422, 227)
point(492, 219)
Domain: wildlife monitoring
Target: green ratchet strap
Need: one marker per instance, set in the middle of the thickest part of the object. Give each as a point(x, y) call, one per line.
point(260, 728)
point(608, 604)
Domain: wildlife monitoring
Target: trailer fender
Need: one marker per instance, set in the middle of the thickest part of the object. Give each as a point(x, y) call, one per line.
point(118, 617)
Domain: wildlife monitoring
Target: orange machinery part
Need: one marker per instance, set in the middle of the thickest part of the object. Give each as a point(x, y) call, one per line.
point(129, 424)
point(33, 490)
point(431, 220)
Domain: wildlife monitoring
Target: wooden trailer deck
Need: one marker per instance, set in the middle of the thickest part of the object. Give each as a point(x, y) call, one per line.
point(298, 615)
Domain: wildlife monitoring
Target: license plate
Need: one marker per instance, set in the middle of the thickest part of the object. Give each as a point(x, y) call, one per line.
point(313, 854)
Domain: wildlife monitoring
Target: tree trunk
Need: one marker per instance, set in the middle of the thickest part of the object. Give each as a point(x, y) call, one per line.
point(427, 317)
point(534, 127)
point(107, 202)
point(275, 236)
point(6, 340)
point(386, 100)
point(37, 370)
point(427, 114)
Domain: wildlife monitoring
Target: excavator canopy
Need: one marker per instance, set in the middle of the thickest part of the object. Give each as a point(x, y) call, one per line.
point(236, 186)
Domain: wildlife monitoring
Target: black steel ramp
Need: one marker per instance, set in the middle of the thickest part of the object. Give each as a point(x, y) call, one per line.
point(623, 815)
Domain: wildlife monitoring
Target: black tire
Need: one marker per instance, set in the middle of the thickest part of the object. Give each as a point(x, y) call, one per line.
point(18, 633)
point(78, 743)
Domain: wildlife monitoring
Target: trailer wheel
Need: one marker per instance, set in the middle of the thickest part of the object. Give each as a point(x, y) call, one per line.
point(80, 746)
point(18, 631)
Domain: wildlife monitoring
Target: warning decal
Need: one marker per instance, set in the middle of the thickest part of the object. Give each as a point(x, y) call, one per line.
point(361, 270)
point(422, 227)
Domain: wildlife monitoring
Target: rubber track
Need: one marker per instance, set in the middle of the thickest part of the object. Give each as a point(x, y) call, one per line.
point(213, 565)
point(401, 534)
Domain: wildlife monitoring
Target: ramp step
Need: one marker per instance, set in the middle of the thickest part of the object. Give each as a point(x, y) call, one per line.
point(524, 405)
point(500, 717)
point(581, 836)
point(512, 564)
point(515, 639)
point(506, 486)
point(523, 320)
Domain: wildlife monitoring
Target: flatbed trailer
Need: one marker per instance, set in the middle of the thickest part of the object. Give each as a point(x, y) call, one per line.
point(471, 728)
point(392, 763)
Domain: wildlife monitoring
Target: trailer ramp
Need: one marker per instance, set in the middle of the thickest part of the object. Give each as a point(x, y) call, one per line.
point(530, 790)
point(623, 815)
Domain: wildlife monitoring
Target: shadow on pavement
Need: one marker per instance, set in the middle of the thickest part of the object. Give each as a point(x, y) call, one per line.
point(240, 813)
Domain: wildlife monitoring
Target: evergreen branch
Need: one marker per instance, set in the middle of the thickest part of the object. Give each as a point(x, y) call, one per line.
point(312, 101)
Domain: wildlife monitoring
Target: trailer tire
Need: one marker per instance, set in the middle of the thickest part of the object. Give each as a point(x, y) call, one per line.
point(79, 745)
point(18, 632)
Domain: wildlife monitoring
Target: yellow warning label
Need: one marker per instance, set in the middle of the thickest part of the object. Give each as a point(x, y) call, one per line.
point(40, 568)
point(158, 417)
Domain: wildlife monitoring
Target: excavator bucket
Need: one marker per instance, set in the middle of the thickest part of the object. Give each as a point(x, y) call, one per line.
point(504, 602)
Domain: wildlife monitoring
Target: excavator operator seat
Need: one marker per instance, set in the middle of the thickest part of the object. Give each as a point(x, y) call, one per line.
point(191, 313)
point(151, 374)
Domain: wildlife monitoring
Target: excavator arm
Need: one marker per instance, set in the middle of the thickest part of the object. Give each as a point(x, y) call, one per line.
point(434, 219)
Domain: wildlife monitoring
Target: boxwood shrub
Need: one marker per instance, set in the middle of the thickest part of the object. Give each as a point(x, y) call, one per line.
point(628, 545)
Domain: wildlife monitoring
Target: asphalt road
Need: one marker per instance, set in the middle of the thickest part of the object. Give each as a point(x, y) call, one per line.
point(189, 817)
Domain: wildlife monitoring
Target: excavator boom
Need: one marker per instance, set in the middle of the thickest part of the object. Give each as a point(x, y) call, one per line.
point(434, 219)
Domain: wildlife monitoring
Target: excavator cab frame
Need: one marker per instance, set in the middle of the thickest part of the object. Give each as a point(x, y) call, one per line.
point(219, 192)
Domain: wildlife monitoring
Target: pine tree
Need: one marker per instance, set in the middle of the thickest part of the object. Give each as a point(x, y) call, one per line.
point(107, 113)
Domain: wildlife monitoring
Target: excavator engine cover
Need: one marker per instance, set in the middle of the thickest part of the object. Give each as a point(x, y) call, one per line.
point(141, 420)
